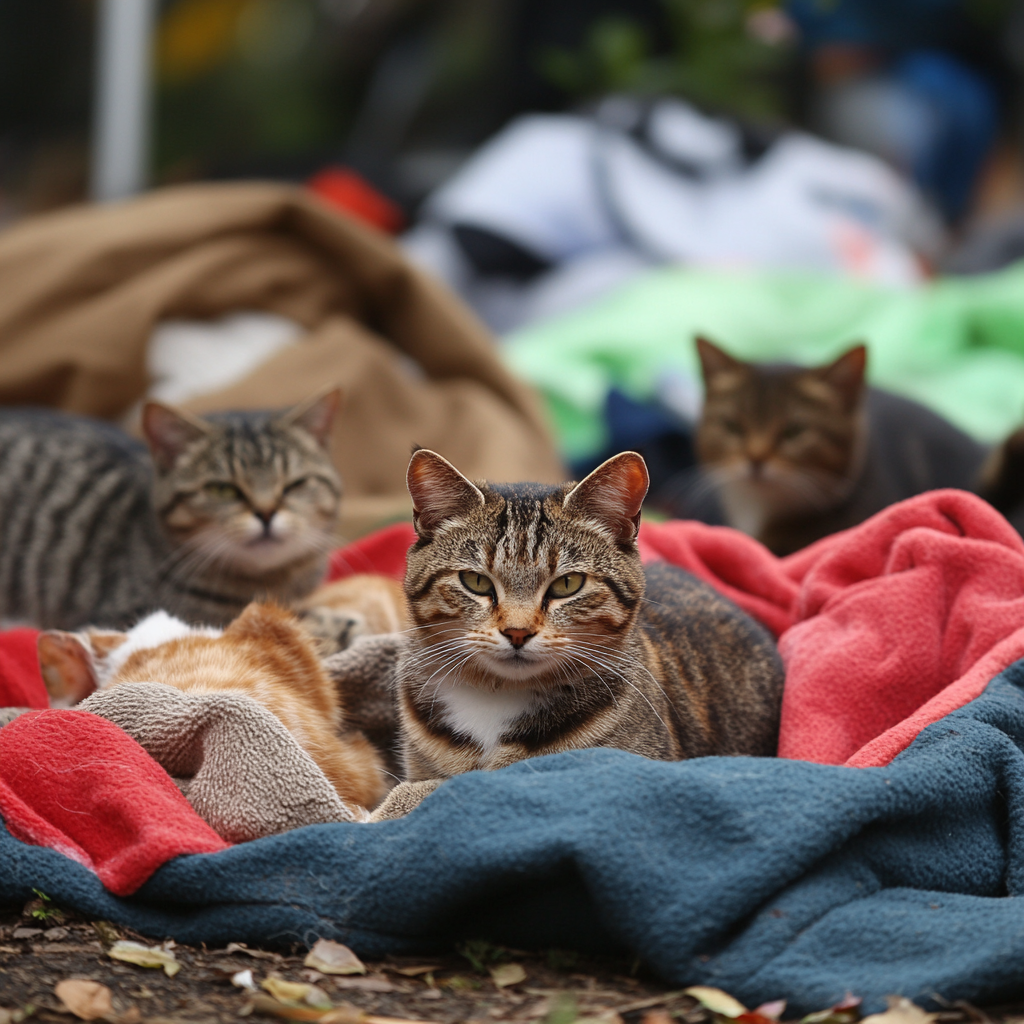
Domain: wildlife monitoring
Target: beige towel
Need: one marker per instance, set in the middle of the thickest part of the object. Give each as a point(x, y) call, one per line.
point(84, 287)
point(239, 767)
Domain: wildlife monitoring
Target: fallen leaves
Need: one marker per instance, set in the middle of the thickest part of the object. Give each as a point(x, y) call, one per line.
point(296, 992)
point(333, 958)
point(145, 956)
point(87, 1000)
point(258, 954)
point(901, 1011)
point(505, 975)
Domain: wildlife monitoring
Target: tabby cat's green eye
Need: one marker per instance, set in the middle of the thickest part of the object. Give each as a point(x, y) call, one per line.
point(567, 585)
point(477, 583)
point(222, 491)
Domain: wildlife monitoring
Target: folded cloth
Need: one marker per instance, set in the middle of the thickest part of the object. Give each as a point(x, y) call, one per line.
point(21, 684)
point(886, 627)
point(241, 769)
point(77, 784)
point(85, 287)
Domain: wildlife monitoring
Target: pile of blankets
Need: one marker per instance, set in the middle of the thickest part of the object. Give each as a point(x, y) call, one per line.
point(880, 853)
point(955, 344)
point(87, 288)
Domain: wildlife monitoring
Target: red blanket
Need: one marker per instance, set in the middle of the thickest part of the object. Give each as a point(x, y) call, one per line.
point(884, 629)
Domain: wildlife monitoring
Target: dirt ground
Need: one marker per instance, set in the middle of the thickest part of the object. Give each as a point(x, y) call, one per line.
point(37, 952)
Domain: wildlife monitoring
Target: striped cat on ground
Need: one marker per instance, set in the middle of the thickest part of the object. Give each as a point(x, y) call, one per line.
point(221, 510)
point(537, 630)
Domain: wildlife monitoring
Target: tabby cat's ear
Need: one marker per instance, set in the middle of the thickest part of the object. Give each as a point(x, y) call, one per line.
point(66, 667)
point(316, 415)
point(169, 431)
point(439, 491)
point(846, 374)
point(715, 360)
point(613, 495)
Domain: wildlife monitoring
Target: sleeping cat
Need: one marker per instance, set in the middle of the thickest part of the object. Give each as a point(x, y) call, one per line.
point(537, 629)
point(93, 529)
point(798, 453)
point(265, 654)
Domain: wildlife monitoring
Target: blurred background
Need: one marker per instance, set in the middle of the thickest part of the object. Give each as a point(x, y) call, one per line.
point(403, 91)
point(553, 160)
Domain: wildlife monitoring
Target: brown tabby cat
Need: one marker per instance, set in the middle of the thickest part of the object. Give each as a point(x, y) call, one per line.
point(537, 629)
point(265, 654)
point(798, 453)
point(220, 511)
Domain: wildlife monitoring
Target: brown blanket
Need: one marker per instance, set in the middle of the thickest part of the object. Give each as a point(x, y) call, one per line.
point(83, 288)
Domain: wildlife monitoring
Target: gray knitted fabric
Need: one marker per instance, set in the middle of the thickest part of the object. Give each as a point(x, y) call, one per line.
point(246, 775)
point(10, 714)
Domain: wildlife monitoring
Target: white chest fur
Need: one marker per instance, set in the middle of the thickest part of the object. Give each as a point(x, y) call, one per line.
point(482, 714)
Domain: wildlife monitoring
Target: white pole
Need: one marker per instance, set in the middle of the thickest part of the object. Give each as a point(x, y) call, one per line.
point(120, 137)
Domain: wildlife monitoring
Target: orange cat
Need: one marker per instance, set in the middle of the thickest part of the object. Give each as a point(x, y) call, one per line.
point(265, 654)
point(361, 605)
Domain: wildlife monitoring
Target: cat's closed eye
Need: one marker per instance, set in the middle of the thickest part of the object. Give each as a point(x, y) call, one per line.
point(567, 585)
point(731, 426)
point(477, 583)
point(222, 491)
point(792, 431)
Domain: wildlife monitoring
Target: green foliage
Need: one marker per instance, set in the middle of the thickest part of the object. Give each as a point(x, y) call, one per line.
point(45, 912)
point(480, 953)
point(562, 960)
point(564, 1010)
point(717, 57)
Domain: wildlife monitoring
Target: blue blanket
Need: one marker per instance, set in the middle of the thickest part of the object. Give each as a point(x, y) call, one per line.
point(767, 878)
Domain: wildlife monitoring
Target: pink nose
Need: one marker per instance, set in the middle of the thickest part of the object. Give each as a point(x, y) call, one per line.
point(517, 636)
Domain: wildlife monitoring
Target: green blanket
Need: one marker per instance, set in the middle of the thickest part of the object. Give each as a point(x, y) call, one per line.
point(956, 345)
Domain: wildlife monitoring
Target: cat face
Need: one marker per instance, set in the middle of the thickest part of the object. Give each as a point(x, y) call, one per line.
point(788, 438)
point(251, 492)
point(521, 585)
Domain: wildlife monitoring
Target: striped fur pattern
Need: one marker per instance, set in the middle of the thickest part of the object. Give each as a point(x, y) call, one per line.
point(798, 453)
point(536, 629)
point(265, 654)
point(96, 530)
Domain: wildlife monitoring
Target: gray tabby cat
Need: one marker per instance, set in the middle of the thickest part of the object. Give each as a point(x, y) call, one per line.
point(537, 630)
point(96, 530)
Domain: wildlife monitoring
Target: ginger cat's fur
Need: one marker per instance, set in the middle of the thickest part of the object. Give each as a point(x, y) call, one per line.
point(361, 605)
point(265, 654)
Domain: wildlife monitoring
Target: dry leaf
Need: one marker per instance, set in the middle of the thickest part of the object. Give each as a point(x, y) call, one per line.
point(715, 1000)
point(296, 992)
point(334, 958)
point(26, 933)
point(901, 1011)
point(267, 1004)
point(366, 985)
point(845, 1012)
point(259, 954)
point(107, 933)
point(414, 972)
point(145, 956)
point(87, 1000)
point(507, 974)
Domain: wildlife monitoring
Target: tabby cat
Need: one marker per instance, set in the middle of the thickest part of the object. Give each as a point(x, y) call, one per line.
point(537, 629)
point(265, 654)
point(798, 453)
point(94, 529)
